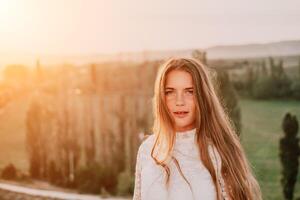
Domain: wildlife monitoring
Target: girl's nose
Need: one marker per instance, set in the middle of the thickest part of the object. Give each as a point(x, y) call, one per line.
point(179, 100)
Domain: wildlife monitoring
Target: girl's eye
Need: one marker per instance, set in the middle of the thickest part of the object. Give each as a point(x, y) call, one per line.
point(168, 92)
point(190, 92)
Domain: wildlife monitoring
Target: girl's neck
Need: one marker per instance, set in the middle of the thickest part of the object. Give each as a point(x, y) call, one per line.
point(182, 130)
point(185, 134)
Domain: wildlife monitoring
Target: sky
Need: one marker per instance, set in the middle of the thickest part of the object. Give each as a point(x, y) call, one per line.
point(98, 26)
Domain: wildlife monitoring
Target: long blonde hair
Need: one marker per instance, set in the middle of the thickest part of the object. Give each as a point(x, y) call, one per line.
point(212, 127)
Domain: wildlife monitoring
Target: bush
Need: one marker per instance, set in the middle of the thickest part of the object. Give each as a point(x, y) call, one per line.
point(266, 88)
point(296, 89)
point(282, 87)
point(9, 172)
point(263, 89)
point(125, 183)
point(275, 85)
point(95, 179)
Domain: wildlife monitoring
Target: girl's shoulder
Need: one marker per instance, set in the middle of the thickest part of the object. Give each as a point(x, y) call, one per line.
point(147, 144)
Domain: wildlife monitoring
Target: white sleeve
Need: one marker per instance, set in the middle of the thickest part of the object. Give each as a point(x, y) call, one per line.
point(217, 161)
point(137, 182)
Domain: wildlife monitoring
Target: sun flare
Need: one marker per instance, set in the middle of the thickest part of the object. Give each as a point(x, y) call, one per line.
point(10, 13)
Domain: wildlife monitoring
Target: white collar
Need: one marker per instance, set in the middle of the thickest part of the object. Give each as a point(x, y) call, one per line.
point(186, 134)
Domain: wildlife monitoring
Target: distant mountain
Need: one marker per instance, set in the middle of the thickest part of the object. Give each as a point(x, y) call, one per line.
point(283, 48)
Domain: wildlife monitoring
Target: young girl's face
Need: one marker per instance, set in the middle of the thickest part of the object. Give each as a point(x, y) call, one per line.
point(179, 96)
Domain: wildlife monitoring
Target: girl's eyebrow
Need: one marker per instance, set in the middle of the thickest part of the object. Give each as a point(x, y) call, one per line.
point(189, 88)
point(169, 88)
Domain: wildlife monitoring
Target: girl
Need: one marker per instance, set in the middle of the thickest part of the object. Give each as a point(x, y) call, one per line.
point(194, 153)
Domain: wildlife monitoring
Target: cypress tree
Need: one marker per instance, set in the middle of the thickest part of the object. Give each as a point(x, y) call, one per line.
point(289, 153)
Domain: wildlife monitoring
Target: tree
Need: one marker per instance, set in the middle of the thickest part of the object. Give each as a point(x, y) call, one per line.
point(275, 85)
point(229, 99)
point(250, 79)
point(289, 153)
point(200, 55)
point(281, 82)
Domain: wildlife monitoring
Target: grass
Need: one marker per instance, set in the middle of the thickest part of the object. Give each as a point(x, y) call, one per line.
point(260, 137)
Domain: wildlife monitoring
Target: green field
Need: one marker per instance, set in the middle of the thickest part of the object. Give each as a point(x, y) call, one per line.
point(260, 137)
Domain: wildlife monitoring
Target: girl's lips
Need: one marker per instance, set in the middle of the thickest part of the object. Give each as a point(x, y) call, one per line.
point(181, 114)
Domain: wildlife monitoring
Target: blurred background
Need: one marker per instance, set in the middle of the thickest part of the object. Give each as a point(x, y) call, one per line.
point(77, 78)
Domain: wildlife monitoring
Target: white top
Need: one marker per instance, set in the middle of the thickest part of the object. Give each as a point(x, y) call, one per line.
point(150, 178)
